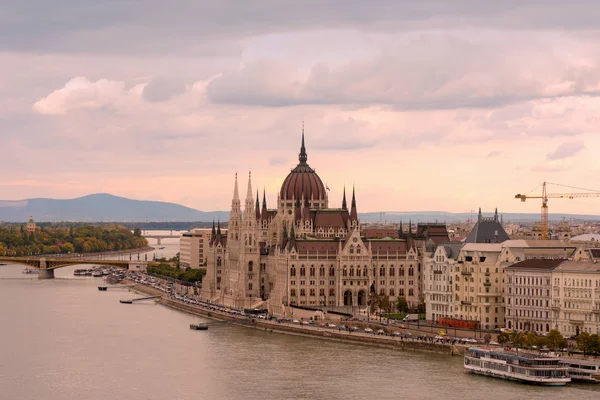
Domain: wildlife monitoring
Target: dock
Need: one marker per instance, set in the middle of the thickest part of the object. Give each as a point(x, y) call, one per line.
point(105, 288)
point(139, 299)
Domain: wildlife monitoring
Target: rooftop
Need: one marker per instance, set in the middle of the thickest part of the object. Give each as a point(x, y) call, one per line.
point(537, 264)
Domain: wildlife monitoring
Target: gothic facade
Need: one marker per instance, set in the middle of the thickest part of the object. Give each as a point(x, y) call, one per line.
point(306, 254)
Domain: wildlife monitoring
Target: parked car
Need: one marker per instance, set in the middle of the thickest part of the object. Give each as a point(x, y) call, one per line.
point(368, 330)
point(330, 325)
point(381, 332)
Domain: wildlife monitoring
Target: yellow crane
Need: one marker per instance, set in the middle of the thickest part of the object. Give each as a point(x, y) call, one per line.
point(545, 196)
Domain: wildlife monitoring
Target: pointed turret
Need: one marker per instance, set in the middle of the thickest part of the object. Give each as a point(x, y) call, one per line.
point(219, 229)
point(213, 233)
point(236, 193)
point(496, 215)
point(257, 207)
point(302, 156)
point(479, 215)
point(344, 205)
point(410, 227)
point(249, 208)
point(264, 215)
point(400, 232)
point(353, 212)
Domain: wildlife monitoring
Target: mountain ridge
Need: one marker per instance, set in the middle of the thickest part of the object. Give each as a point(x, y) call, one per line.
point(105, 207)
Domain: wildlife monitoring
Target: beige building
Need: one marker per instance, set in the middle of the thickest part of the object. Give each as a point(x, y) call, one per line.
point(576, 297)
point(529, 295)
point(193, 248)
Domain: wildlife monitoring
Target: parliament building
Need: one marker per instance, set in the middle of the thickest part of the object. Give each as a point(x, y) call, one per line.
point(303, 253)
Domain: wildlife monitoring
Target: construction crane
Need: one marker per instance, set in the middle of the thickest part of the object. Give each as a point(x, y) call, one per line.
point(545, 196)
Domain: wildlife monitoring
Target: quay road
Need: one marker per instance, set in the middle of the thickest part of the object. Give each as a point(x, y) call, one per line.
point(388, 336)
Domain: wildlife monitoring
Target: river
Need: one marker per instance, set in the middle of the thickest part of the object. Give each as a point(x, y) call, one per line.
point(64, 339)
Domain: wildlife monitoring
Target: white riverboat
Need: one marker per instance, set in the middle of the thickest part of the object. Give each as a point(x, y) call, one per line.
point(582, 370)
point(523, 367)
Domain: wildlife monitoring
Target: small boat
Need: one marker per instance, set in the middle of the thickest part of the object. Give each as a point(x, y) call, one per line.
point(30, 271)
point(526, 368)
point(102, 288)
point(582, 370)
point(126, 301)
point(199, 327)
point(97, 273)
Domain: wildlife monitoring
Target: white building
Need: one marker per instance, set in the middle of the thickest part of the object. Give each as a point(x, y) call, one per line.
point(438, 281)
point(576, 297)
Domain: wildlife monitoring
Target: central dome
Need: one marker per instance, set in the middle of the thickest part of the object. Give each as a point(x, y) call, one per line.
point(303, 182)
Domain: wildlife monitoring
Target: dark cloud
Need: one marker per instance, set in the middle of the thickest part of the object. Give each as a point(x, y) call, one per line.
point(162, 89)
point(566, 150)
point(155, 26)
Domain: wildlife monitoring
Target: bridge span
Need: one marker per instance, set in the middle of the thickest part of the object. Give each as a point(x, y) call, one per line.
point(46, 266)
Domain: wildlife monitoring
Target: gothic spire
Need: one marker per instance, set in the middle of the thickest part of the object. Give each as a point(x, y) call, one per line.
point(400, 233)
point(303, 157)
point(219, 228)
point(257, 206)
point(344, 205)
point(236, 194)
point(249, 194)
point(353, 212)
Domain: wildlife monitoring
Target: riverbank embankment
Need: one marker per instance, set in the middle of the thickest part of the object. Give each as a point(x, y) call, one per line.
point(396, 343)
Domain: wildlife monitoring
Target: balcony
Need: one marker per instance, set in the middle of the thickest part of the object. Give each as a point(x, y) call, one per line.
point(437, 272)
point(465, 303)
point(555, 308)
point(487, 284)
point(487, 273)
point(466, 272)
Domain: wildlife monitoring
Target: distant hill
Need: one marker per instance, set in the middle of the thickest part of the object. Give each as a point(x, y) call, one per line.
point(101, 207)
point(105, 207)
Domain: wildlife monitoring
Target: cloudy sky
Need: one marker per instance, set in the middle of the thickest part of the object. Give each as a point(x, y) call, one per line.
point(422, 105)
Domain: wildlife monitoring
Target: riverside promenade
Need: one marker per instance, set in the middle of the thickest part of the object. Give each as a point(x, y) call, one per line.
point(414, 343)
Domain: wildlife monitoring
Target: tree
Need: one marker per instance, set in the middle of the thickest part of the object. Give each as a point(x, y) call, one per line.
point(555, 340)
point(503, 337)
point(385, 304)
point(137, 232)
point(373, 302)
point(588, 343)
point(401, 304)
point(487, 338)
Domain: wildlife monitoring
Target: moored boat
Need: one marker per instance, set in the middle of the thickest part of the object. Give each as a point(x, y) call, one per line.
point(524, 367)
point(582, 370)
point(30, 271)
point(199, 327)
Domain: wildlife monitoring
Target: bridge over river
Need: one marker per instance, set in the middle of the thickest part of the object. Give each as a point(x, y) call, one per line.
point(46, 266)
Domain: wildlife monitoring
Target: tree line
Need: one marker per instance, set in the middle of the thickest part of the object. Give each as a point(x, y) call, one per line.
point(167, 270)
point(61, 239)
point(587, 343)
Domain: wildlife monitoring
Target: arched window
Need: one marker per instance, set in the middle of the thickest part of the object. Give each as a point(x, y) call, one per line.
point(392, 271)
point(293, 271)
point(382, 271)
point(345, 271)
point(401, 271)
point(250, 266)
point(358, 271)
point(351, 270)
point(331, 271)
point(219, 262)
point(249, 285)
point(322, 271)
point(411, 271)
point(302, 270)
point(312, 270)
